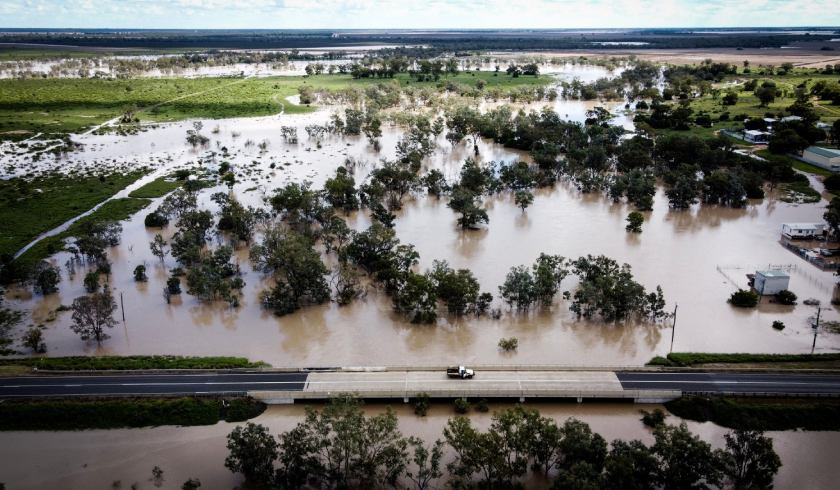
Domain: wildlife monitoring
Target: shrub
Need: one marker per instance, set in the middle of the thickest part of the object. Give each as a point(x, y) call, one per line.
point(509, 345)
point(654, 418)
point(173, 285)
point(786, 297)
point(462, 405)
point(482, 406)
point(743, 298)
point(155, 220)
point(778, 325)
point(140, 273)
point(421, 404)
point(832, 182)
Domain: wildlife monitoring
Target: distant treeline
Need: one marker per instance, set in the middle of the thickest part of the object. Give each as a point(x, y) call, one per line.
point(442, 40)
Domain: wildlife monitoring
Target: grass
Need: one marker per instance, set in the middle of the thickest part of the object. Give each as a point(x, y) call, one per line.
point(797, 164)
point(71, 105)
point(156, 188)
point(760, 413)
point(113, 210)
point(790, 361)
point(749, 104)
point(91, 363)
point(114, 414)
point(31, 207)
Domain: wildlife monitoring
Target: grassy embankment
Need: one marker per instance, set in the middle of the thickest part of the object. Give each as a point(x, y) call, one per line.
point(85, 363)
point(113, 210)
point(72, 105)
point(760, 413)
point(769, 361)
point(156, 188)
point(31, 207)
point(756, 413)
point(119, 413)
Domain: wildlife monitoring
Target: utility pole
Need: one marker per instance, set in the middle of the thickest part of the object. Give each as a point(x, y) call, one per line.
point(816, 327)
point(673, 329)
point(122, 305)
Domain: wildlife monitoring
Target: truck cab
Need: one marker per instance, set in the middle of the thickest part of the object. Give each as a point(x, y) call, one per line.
point(459, 372)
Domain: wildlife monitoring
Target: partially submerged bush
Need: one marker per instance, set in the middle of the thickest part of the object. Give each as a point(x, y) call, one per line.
point(743, 298)
point(462, 406)
point(509, 345)
point(786, 297)
point(778, 325)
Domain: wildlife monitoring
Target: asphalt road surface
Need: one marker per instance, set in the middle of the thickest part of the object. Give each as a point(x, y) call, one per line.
point(218, 383)
point(689, 382)
point(149, 384)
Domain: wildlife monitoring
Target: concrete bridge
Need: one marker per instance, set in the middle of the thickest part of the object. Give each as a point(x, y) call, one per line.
point(289, 386)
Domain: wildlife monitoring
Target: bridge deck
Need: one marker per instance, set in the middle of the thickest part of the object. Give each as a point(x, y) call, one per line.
point(487, 384)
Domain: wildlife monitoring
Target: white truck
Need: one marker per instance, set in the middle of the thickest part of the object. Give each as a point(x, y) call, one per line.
point(459, 372)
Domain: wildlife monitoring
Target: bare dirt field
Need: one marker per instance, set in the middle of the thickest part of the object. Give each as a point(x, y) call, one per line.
point(799, 56)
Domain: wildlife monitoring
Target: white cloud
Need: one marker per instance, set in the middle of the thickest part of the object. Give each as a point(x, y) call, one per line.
point(337, 14)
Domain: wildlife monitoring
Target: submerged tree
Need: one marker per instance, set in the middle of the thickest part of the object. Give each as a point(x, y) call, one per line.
point(93, 314)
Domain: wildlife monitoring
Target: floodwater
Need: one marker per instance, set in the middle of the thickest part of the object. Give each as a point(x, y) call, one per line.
point(698, 256)
point(98, 458)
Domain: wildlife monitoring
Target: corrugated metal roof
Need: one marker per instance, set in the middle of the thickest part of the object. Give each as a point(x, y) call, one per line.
point(825, 152)
point(773, 273)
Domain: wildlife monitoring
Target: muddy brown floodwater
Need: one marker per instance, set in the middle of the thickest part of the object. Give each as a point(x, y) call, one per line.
point(698, 256)
point(97, 458)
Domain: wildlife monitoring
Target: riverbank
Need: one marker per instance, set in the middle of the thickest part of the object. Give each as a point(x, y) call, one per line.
point(97, 458)
point(127, 363)
point(748, 361)
point(83, 414)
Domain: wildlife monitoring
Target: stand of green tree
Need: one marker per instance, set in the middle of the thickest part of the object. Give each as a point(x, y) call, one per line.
point(340, 447)
point(113, 414)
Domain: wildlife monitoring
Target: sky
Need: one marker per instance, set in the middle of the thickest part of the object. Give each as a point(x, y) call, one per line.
point(408, 14)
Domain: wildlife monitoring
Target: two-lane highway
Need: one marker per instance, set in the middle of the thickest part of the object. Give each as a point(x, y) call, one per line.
point(148, 384)
point(488, 384)
point(729, 382)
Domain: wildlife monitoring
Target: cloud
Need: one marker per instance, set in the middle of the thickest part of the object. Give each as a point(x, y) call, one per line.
point(346, 14)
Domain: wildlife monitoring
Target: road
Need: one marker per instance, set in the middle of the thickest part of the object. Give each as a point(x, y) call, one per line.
point(691, 382)
point(486, 384)
point(149, 384)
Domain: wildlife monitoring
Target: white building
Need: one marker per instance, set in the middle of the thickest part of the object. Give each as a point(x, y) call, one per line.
point(754, 136)
point(802, 230)
point(826, 158)
point(770, 282)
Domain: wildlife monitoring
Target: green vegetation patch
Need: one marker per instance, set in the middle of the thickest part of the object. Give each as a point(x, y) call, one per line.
point(61, 105)
point(114, 414)
point(131, 362)
point(700, 358)
point(31, 207)
point(113, 210)
point(156, 188)
point(760, 413)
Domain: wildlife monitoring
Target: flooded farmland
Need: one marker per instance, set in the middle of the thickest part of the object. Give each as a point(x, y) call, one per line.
point(98, 458)
point(698, 256)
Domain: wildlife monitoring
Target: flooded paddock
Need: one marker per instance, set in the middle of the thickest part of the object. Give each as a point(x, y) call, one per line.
point(97, 458)
point(698, 256)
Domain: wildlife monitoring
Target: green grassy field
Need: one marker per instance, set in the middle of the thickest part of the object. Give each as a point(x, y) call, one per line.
point(30, 208)
point(113, 210)
point(72, 105)
point(156, 188)
point(748, 103)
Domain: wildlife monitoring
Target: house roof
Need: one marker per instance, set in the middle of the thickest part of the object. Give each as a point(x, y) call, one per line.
point(773, 273)
point(803, 226)
point(753, 132)
point(824, 152)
